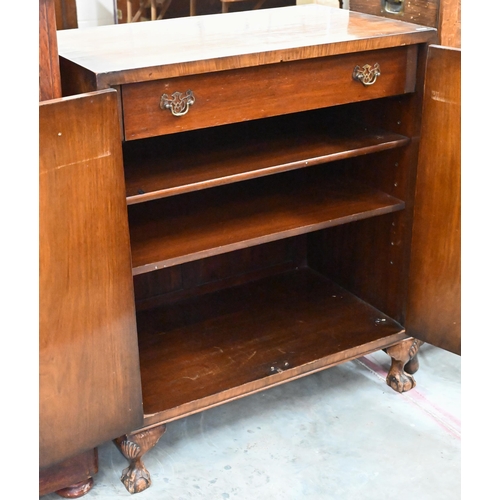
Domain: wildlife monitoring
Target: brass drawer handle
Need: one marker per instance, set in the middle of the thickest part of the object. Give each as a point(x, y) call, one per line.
point(367, 75)
point(179, 103)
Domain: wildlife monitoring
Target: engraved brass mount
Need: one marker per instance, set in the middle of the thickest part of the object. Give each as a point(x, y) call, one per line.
point(179, 103)
point(367, 74)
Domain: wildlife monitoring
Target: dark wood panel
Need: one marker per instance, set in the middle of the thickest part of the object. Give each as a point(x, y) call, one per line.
point(233, 96)
point(450, 23)
point(49, 75)
point(366, 258)
point(71, 471)
point(66, 17)
point(434, 306)
point(424, 12)
point(196, 225)
point(167, 166)
point(242, 339)
point(89, 371)
point(221, 271)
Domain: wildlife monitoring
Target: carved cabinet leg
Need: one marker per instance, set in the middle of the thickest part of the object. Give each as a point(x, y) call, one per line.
point(76, 490)
point(133, 446)
point(402, 356)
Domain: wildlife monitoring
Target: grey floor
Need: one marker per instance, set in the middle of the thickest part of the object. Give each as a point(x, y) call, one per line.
point(338, 434)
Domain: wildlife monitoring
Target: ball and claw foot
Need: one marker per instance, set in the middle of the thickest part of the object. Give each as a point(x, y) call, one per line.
point(136, 477)
point(133, 446)
point(402, 355)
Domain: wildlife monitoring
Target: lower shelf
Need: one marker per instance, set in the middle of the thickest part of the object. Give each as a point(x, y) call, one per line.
point(201, 352)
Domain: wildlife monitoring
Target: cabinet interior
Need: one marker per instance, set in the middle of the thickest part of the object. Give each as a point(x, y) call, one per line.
point(266, 250)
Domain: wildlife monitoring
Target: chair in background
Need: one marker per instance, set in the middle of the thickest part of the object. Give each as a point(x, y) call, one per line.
point(158, 9)
point(225, 4)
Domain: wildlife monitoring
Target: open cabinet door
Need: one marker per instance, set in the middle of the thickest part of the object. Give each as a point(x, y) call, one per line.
point(434, 306)
point(90, 388)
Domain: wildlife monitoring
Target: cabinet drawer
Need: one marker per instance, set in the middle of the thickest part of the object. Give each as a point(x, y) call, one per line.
point(245, 94)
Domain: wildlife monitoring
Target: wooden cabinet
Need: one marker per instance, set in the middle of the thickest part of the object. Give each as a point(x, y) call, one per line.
point(270, 161)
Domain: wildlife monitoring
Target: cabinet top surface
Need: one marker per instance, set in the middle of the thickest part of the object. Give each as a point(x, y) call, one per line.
point(132, 52)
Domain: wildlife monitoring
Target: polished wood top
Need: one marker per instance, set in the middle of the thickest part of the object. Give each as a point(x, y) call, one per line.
point(136, 52)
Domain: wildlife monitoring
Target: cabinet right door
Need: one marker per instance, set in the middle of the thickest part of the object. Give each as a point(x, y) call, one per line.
point(434, 306)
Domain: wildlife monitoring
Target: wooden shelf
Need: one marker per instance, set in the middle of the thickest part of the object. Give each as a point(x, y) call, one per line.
point(181, 229)
point(171, 165)
point(216, 347)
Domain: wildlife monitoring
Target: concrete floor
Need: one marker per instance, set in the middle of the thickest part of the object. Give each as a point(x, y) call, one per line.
point(338, 434)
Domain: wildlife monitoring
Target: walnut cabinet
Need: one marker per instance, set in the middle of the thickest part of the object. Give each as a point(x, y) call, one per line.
point(287, 205)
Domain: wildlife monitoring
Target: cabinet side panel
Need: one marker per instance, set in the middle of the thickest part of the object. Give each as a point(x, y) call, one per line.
point(434, 287)
point(89, 366)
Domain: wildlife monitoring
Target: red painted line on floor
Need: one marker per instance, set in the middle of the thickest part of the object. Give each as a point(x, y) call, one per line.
point(450, 423)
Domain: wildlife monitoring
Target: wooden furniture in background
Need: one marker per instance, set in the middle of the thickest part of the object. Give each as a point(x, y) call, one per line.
point(66, 15)
point(423, 12)
point(151, 10)
point(270, 198)
point(48, 74)
point(450, 31)
point(226, 3)
point(444, 15)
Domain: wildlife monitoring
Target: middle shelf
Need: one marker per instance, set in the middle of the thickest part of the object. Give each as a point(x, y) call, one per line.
point(201, 224)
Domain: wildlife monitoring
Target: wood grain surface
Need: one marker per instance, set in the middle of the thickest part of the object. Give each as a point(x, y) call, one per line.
point(137, 52)
point(168, 166)
point(89, 366)
point(197, 225)
point(434, 311)
point(242, 339)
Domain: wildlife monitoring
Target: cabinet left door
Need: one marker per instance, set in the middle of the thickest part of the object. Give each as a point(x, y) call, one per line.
point(89, 386)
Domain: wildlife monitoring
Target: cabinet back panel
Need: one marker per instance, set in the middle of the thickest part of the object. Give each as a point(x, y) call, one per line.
point(221, 271)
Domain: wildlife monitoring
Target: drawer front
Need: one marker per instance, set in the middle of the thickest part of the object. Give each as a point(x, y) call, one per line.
point(245, 94)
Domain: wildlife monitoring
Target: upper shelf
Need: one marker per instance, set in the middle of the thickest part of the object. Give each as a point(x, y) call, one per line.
point(161, 167)
point(135, 52)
